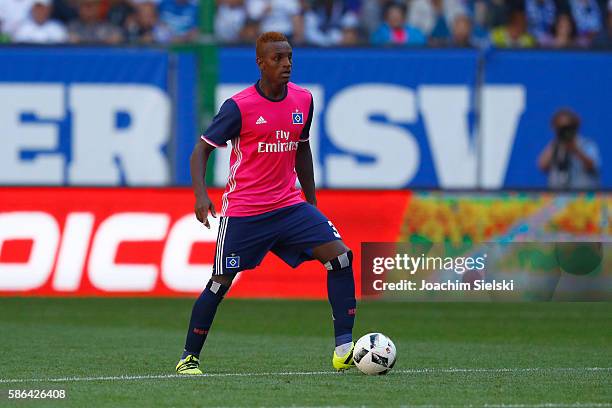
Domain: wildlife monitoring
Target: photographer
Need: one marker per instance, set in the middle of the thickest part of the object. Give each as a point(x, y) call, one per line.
point(571, 161)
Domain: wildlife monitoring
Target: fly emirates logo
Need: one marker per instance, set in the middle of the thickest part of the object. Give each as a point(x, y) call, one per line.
point(282, 144)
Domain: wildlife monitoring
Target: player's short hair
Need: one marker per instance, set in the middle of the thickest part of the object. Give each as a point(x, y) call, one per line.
point(270, 36)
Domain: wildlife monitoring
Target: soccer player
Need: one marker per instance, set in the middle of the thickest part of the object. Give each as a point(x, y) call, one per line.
point(268, 125)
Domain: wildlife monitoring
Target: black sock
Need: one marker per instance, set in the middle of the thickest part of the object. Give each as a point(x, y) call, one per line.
point(202, 316)
point(341, 295)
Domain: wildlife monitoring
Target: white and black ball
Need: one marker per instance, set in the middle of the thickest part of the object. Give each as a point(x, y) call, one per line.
point(374, 354)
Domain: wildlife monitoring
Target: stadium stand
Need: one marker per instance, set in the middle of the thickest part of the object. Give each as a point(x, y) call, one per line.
point(455, 23)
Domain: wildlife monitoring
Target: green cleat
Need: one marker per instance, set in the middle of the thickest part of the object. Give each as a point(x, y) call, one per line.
point(190, 365)
point(344, 362)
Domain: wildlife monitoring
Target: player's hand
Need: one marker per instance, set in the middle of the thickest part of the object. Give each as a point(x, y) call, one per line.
point(202, 206)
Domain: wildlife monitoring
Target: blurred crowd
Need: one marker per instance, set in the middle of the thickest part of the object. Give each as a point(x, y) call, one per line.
point(458, 23)
point(455, 23)
point(99, 21)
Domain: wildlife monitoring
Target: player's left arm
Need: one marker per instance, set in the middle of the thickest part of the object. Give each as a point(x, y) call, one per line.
point(303, 161)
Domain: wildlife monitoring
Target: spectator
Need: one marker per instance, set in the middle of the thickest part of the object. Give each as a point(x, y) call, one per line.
point(541, 19)
point(515, 33)
point(13, 13)
point(570, 160)
point(120, 12)
point(440, 32)
point(605, 36)
point(462, 32)
point(434, 17)
point(477, 15)
point(394, 30)
point(4, 38)
point(587, 16)
point(371, 14)
point(89, 29)
point(64, 11)
point(564, 32)
point(497, 12)
point(182, 18)
point(39, 28)
point(278, 15)
point(249, 32)
point(352, 5)
point(229, 20)
point(323, 22)
point(145, 27)
point(350, 30)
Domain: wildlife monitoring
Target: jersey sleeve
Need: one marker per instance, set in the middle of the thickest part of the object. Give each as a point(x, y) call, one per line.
point(225, 126)
point(306, 130)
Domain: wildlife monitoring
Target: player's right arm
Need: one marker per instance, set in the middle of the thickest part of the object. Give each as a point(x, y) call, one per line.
point(199, 160)
point(225, 126)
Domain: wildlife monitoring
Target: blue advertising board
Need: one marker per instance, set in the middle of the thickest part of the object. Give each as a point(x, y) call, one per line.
point(368, 129)
point(397, 118)
point(92, 116)
point(581, 81)
point(384, 118)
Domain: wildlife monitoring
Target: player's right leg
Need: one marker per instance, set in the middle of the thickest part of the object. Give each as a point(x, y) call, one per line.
point(205, 308)
point(202, 315)
point(241, 244)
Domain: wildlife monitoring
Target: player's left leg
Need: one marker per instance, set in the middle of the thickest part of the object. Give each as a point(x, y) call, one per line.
point(338, 260)
point(306, 234)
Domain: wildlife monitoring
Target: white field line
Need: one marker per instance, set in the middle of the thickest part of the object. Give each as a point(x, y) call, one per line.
point(537, 405)
point(550, 405)
point(307, 373)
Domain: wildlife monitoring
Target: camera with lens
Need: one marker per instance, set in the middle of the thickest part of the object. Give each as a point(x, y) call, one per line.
point(567, 133)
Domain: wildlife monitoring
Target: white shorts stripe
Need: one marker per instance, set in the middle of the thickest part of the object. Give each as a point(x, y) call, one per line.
point(222, 245)
point(219, 237)
point(217, 247)
point(221, 240)
point(219, 270)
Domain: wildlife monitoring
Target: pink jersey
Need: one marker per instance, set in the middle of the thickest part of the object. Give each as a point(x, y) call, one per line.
point(265, 135)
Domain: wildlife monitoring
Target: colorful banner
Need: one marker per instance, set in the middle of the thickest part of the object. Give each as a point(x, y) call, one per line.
point(147, 242)
point(511, 246)
point(109, 242)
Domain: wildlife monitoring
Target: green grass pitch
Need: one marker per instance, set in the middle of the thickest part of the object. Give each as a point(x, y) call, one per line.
point(277, 353)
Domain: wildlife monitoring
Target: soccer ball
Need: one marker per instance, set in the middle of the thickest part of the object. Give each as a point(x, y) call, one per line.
point(374, 354)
